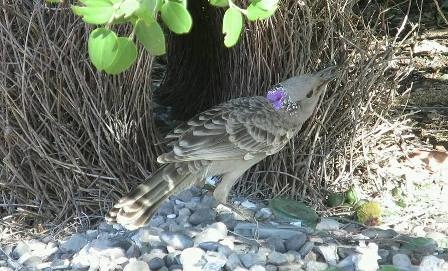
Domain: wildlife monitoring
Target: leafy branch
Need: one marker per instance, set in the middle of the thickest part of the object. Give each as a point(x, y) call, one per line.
point(113, 54)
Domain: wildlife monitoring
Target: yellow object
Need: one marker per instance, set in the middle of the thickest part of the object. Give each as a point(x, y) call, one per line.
point(369, 213)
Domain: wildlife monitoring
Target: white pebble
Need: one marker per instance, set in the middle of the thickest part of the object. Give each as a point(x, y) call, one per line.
point(431, 263)
point(248, 205)
point(135, 265)
point(327, 224)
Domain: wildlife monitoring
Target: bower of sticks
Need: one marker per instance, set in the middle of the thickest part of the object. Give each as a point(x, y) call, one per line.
point(74, 139)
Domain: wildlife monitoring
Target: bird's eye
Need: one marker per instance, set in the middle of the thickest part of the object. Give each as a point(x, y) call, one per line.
point(310, 94)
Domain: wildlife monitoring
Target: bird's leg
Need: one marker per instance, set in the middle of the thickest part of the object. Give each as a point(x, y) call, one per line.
point(222, 191)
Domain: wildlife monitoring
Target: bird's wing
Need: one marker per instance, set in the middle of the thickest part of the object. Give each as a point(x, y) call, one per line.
point(237, 129)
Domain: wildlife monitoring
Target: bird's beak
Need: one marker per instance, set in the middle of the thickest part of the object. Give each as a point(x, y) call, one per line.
point(328, 73)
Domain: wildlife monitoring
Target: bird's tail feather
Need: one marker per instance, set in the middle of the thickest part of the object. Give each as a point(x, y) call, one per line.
point(135, 209)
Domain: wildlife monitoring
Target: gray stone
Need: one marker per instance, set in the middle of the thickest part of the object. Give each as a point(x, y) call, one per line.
point(148, 235)
point(157, 254)
point(293, 256)
point(166, 208)
point(105, 227)
point(172, 259)
point(21, 249)
point(401, 261)
point(185, 195)
point(263, 214)
point(379, 233)
point(277, 258)
point(209, 246)
point(202, 216)
point(208, 201)
point(348, 262)
point(228, 241)
point(156, 221)
point(233, 261)
point(250, 259)
point(175, 267)
point(123, 243)
point(329, 252)
point(328, 224)
point(315, 266)
point(344, 252)
point(74, 243)
point(248, 205)
point(91, 234)
point(192, 257)
point(306, 248)
point(276, 243)
point(225, 250)
point(60, 264)
point(228, 219)
point(271, 267)
point(156, 263)
point(184, 214)
point(176, 240)
point(265, 230)
point(3, 268)
point(384, 254)
point(213, 233)
point(133, 251)
point(135, 265)
point(29, 260)
point(295, 242)
point(215, 261)
point(290, 267)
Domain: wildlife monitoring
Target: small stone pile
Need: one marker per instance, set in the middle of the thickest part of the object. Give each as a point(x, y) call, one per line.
point(190, 233)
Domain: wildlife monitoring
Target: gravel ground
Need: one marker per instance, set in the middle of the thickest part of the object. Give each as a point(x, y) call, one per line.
point(190, 232)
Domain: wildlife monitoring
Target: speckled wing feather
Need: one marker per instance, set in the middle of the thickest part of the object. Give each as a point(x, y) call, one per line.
point(237, 129)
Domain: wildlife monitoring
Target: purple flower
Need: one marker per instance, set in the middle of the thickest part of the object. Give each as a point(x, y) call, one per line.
point(277, 98)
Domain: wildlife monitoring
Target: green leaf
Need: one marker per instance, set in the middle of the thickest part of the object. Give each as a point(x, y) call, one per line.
point(176, 17)
point(129, 7)
point(182, 2)
point(97, 3)
point(267, 5)
point(151, 36)
point(419, 244)
point(254, 12)
point(148, 9)
point(294, 210)
point(126, 53)
point(219, 3)
point(232, 26)
point(94, 14)
point(102, 47)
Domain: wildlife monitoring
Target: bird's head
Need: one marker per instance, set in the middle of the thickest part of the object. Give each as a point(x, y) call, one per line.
point(304, 89)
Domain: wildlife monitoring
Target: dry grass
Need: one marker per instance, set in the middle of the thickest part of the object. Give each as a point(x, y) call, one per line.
point(70, 135)
point(73, 139)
